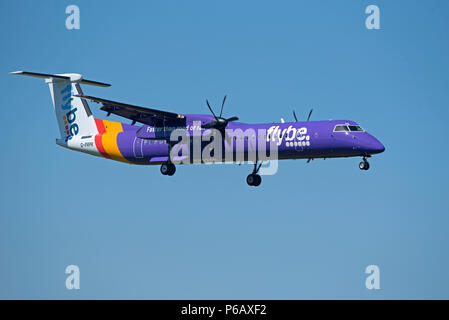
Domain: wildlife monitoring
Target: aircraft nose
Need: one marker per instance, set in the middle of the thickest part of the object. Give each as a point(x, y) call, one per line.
point(375, 146)
point(379, 147)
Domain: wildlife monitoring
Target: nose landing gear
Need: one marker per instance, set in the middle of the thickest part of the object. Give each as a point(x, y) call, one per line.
point(168, 169)
point(364, 165)
point(254, 179)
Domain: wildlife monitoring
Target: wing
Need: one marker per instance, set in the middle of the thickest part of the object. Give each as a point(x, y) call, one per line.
point(136, 114)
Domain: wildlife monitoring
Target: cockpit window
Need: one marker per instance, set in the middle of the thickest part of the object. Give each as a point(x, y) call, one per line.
point(341, 128)
point(355, 128)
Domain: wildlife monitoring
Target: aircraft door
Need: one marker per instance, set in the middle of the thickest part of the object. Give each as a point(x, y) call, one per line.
point(138, 148)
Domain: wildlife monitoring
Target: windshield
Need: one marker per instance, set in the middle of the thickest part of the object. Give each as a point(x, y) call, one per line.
point(341, 127)
point(344, 127)
point(355, 128)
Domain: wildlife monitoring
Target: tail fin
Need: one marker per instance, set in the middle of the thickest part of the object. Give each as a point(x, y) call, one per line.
point(72, 113)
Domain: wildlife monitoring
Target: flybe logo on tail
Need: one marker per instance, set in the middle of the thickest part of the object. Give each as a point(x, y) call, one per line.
point(69, 118)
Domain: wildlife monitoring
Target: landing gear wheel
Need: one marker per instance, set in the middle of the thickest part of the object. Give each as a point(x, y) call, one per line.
point(364, 165)
point(172, 170)
point(250, 179)
point(253, 180)
point(258, 181)
point(165, 169)
point(168, 169)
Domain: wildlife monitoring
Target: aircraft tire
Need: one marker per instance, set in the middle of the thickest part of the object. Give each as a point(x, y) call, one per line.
point(165, 169)
point(253, 180)
point(172, 170)
point(250, 179)
point(364, 165)
point(257, 181)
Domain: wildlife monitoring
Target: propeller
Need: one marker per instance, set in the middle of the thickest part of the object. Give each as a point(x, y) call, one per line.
point(296, 118)
point(294, 115)
point(310, 113)
point(219, 122)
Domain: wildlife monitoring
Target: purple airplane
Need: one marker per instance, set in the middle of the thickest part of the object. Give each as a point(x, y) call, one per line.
point(166, 139)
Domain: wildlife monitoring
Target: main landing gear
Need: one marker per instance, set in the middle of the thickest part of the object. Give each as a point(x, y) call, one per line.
point(254, 179)
point(168, 169)
point(364, 165)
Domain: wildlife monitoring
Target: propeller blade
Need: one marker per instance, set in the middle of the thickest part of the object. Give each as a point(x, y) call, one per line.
point(232, 119)
point(222, 105)
point(218, 122)
point(310, 113)
point(294, 115)
point(208, 105)
point(207, 126)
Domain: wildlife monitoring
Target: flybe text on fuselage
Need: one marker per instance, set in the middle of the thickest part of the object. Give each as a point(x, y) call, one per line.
point(274, 133)
point(69, 118)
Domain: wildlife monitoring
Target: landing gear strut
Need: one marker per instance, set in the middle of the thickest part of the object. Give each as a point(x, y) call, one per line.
point(364, 165)
point(168, 169)
point(254, 179)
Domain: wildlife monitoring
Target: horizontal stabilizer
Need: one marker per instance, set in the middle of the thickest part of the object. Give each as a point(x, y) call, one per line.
point(40, 75)
point(74, 77)
point(94, 83)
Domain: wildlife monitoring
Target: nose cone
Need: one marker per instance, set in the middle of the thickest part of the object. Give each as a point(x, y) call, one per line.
point(373, 146)
point(379, 147)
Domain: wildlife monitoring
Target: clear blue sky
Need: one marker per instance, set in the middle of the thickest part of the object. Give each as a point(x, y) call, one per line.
point(307, 232)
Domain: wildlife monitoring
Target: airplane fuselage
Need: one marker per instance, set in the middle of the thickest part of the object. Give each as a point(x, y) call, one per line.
point(294, 140)
point(169, 138)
